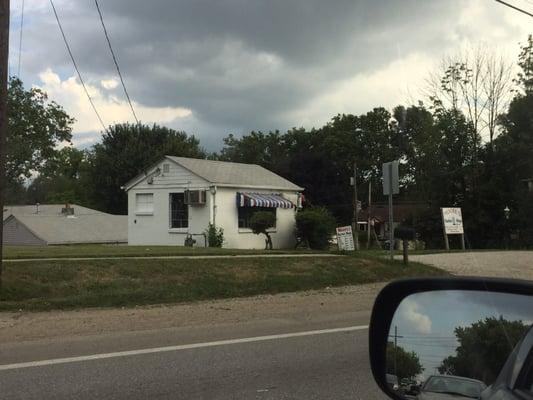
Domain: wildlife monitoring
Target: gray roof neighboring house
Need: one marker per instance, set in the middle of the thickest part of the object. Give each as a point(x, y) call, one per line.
point(24, 225)
point(224, 173)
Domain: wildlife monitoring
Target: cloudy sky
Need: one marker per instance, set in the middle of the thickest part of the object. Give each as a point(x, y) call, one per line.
point(426, 321)
point(229, 66)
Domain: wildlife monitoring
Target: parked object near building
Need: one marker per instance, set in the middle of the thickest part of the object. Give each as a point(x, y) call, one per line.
point(46, 224)
point(181, 196)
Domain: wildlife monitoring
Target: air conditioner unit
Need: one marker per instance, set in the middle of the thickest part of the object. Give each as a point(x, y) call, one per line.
point(195, 197)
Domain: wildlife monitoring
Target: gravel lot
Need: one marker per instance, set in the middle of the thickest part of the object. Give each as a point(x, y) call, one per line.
point(504, 264)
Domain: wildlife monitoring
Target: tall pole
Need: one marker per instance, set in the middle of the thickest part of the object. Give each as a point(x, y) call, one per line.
point(369, 212)
point(4, 53)
point(355, 209)
point(391, 219)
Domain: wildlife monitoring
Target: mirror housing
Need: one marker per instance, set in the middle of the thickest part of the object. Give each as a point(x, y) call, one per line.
point(389, 299)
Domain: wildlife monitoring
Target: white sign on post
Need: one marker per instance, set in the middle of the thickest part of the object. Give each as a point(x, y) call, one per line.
point(345, 238)
point(452, 220)
point(388, 177)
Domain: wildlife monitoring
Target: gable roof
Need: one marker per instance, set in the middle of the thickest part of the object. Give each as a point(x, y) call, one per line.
point(85, 226)
point(46, 209)
point(224, 173)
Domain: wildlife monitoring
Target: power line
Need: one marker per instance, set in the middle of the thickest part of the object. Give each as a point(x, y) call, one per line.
point(115, 61)
point(20, 37)
point(514, 7)
point(76, 66)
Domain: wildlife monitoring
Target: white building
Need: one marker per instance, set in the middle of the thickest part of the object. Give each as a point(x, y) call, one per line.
point(181, 196)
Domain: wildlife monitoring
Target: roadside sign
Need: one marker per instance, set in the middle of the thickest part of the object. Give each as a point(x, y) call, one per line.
point(391, 178)
point(345, 238)
point(452, 221)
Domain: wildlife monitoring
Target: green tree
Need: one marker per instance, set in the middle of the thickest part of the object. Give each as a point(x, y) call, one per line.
point(402, 363)
point(124, 152)
point(483, 348)
point(315, 226)
point(62, 179)
point(525, 62)
point(260, 223)
point(36, 126)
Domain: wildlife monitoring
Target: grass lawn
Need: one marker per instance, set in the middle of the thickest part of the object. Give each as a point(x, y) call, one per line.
point(46, 285)
point(99, 250)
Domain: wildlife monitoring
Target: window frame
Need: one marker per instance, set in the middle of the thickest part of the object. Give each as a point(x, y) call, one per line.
point(148, 210)
point(184, 225)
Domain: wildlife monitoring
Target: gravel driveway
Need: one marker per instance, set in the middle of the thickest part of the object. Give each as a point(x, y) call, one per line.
point(506, 264)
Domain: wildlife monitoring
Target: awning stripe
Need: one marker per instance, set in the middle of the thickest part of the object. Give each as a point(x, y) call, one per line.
point(272, 200)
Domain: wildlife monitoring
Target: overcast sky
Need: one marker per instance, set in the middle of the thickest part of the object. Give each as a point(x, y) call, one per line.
point(426, 321)
point(230, 66)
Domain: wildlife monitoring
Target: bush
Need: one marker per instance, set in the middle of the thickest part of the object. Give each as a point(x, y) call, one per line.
point(215, 236)
point(260, 222)
point(315, 226)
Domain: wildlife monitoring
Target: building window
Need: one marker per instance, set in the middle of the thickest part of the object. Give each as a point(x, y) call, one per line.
point(166, 168)
point(179, 211)
point(144, 203)
point(245, 214)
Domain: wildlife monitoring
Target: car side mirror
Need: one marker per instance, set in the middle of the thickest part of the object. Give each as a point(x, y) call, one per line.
point(452, 337)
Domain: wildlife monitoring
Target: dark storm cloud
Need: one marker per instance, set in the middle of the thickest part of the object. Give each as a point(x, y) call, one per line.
point(237, 64)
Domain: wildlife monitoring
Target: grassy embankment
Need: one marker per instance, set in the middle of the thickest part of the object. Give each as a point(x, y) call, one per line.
point(65, 284)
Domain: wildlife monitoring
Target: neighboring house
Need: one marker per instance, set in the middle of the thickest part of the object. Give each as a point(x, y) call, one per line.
point(44, 224)
point(379, 216)
point(180, 196)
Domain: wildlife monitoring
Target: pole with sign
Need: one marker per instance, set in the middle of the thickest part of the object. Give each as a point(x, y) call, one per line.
point(452, 224)
point(391, 186)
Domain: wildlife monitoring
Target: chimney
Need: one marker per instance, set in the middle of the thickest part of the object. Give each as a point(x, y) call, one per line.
point(67, 210)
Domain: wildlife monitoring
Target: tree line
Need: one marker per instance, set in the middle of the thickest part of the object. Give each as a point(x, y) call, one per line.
point(467, 143)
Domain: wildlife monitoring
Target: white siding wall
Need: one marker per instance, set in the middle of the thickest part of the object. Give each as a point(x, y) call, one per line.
point(155, 229)
point(227, 218)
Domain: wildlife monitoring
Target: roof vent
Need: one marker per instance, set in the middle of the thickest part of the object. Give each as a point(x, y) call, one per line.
point(67, 210)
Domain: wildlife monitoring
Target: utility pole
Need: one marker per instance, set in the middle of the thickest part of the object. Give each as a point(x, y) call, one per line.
point(395, 347)
point(369, 214)
point(391, 218)
point(396, 337)
point(4, 54)
point(355, 209)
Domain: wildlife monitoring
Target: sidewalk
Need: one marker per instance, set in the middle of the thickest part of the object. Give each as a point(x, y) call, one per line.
point(314, 255)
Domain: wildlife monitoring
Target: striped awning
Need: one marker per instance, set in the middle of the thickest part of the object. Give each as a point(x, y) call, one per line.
point(273, 200)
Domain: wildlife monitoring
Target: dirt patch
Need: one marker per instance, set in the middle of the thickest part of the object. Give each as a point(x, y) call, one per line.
point(23, 326)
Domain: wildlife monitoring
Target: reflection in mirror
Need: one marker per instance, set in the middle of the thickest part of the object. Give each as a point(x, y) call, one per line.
point(453, 343)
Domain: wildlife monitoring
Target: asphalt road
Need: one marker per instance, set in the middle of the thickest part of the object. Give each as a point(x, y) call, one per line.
point(270, 359)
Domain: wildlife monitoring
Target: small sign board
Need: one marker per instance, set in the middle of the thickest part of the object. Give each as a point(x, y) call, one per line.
point(391, 178)
point(452, 220)
point(345, 238)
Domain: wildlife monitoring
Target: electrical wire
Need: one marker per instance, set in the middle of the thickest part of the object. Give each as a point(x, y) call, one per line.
point(115, 61)
point(76, 66)
point(20, 37)
point(515, 8)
